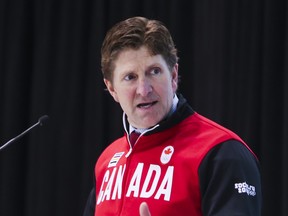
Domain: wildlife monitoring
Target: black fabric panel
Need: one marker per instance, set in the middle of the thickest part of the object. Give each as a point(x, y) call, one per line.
point(227, 164)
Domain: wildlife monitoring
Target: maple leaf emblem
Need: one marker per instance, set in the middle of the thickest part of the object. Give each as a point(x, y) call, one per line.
point(166, 154)
point(168, 151)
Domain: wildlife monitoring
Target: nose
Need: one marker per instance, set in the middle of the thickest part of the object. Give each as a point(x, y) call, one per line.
point(144, 87)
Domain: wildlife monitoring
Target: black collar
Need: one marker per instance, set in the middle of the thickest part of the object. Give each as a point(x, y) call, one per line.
point(182, 111)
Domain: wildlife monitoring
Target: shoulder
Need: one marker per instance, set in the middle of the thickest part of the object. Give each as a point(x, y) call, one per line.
point(232, 150)
point(230, 162)
point(231, 170)
point(119, 145)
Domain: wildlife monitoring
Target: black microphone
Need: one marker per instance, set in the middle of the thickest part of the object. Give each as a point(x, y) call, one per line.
point(40, 122)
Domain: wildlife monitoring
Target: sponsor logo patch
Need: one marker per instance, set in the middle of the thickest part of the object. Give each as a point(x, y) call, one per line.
point(244, 188)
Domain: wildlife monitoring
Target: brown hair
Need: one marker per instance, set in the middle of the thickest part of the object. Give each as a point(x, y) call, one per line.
point(134, 33)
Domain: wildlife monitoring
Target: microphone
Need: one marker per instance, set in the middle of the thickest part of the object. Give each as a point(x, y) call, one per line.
point(40, 122)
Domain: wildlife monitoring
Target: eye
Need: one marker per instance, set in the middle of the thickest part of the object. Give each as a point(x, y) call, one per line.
point(155, 71)
point(129, 77)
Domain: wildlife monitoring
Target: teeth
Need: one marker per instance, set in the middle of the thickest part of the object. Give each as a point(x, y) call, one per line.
point(146, 105)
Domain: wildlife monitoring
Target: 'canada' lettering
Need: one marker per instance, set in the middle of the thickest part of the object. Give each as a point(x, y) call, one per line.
point(157, 183)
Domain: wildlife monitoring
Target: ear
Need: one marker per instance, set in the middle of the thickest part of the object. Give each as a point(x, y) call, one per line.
point(174, 75)
point(111, 89)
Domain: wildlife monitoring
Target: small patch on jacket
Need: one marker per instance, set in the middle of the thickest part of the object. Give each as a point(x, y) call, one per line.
point(166, 154)
point(244, 188)
point(114, 160)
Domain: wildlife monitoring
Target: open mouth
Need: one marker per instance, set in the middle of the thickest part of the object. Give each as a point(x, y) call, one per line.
point(146, 105)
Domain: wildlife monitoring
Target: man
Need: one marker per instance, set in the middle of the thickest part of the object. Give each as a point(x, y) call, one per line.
point(181, 163)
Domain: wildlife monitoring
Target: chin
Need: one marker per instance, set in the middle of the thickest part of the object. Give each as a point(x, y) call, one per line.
point(147, 121)
point(150, 124)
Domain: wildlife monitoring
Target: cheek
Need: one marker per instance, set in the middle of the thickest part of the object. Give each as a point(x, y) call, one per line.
point(124, 95)
point(170, 87)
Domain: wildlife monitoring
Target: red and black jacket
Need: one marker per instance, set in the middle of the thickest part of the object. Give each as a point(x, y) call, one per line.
point(188, 165)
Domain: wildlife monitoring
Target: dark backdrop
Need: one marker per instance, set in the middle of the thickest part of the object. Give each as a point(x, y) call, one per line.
point(234, 69)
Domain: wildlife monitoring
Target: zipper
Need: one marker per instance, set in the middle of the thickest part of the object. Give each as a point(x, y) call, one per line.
point(127, 134)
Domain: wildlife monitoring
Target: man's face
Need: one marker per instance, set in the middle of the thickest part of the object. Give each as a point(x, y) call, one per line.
point(143, 85)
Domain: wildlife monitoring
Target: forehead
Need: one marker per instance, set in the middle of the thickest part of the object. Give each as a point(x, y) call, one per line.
point(135, 58)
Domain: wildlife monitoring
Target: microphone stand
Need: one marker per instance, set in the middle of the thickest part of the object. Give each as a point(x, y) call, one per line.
point(40, 122)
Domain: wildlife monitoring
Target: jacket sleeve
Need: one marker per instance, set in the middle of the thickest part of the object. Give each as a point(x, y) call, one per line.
point(90, 204)
point(91, 201)
point(230, 181)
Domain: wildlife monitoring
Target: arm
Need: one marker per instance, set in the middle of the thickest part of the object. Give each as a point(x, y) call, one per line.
point(89, 209)
point(90, 204)
point(228, 175)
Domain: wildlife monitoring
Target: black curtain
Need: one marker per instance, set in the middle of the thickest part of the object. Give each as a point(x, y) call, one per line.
point(233, 66)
